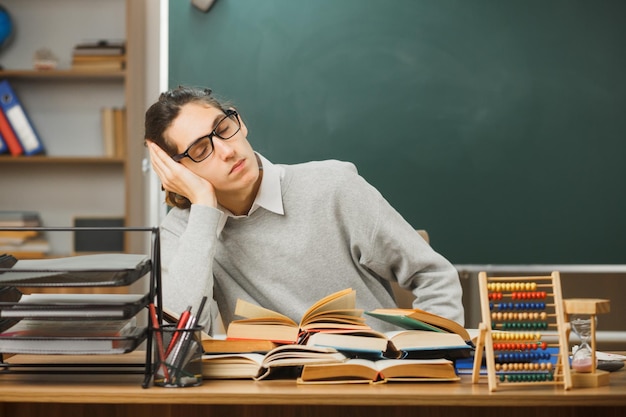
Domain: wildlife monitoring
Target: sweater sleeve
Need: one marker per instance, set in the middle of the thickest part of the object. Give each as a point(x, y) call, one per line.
point(394, 251)
point(188, 240)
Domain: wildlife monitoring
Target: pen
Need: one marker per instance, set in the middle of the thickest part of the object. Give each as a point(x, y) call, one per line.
point(199, 314)
point(181, 354)
point(184, 317)
point(159, 339)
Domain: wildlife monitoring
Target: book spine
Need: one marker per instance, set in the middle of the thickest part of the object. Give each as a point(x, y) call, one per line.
point(108, 131)
point(12, 142)
point(3, 146)
point(22, 126)
point(119, 126)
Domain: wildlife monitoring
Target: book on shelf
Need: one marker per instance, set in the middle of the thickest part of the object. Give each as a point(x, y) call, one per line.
point(113, 120)
point(36, 247)
point(17, 218)
point(335, 311)
point(100, 47)
point(3, 146)
point(282, 361)
point(19, 121)
point(379, 371)
point(102, 269)
point(416, 319)
point(119, 131)
point(16, 237)
point(100, 64)
point(413, 344)
point(10, 140)
point(97, 59)
point(108, 131)
point(75, 306)
point(71, 337)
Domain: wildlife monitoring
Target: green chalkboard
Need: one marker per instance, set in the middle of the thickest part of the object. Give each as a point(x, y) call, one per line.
point(498, 126)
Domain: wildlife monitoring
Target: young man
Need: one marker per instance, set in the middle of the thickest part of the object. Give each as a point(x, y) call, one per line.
point(280, 236)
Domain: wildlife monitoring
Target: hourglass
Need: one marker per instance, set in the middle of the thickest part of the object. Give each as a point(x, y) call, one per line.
point(582, 358)
point(581, 314)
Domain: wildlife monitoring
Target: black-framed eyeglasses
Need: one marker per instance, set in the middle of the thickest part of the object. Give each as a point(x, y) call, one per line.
point(202, 147)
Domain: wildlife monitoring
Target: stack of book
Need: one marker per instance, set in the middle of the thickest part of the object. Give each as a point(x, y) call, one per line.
point(332, 344)
point(100, 55)
point(22, 244)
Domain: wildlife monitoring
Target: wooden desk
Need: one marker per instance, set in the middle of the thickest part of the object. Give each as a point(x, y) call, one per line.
point(122, 395)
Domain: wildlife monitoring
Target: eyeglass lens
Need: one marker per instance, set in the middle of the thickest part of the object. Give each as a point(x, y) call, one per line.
point(225, 129)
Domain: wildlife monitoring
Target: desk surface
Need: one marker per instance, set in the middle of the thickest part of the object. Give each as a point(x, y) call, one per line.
point(126, 389)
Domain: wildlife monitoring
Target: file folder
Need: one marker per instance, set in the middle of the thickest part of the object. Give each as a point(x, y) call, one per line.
point(3, 146)
point(19, 121)
point(8, 136)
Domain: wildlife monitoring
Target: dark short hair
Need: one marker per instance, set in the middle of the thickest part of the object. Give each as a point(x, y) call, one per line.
point(160, 116)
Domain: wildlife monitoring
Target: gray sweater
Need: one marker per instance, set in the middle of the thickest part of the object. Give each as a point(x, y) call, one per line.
point(337, 232)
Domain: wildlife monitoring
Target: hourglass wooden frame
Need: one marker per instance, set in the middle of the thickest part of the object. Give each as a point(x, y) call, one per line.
point(589, 307)
point(525, 316)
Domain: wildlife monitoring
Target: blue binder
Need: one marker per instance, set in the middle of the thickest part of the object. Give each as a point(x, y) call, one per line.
point(19, 120)
point(3, 146)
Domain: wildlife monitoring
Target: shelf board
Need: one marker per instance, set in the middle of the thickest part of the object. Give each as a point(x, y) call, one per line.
point(75, 160)
point(63, 74)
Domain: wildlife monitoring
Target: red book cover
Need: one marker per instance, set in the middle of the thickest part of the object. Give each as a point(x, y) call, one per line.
point(12, 142)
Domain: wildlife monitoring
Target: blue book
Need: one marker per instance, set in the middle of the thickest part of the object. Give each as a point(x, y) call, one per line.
point(3, 146)
point(19, 120)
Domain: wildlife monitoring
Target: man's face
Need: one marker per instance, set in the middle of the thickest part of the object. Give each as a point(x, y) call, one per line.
point(232, 165)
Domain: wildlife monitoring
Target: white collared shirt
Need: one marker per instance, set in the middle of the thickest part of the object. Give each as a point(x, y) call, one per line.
point(269, 196)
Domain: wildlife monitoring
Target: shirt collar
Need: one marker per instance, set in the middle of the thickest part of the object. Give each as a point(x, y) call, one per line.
point(268, 197)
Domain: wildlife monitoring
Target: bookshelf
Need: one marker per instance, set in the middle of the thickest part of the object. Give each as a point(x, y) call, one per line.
point(75, 178)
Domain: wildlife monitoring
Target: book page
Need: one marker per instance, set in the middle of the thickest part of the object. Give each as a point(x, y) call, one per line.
point(350, 317)
point(253, 311)
point(387, 363)
point(341, 300)
point(250, 357)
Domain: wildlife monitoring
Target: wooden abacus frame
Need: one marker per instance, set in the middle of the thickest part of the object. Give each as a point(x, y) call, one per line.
point(522, 336)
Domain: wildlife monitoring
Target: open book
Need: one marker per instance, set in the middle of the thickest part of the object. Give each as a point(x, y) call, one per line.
point(385, 370)
point(336, 311)
point(211, 345)
point(397, 344)
point(416, 319)
point(285, 360)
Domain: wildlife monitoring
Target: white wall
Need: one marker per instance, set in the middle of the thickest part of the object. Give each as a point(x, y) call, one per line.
point(156, 82)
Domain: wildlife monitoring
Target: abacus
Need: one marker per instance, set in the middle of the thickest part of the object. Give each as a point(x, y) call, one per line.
point(523, 332)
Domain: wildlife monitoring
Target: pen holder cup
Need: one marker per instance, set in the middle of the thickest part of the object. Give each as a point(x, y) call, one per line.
point(178, 356)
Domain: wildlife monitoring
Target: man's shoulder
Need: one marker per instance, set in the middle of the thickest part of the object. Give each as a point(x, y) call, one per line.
point(324, 167)
point(326, 176)
point(175, 218)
